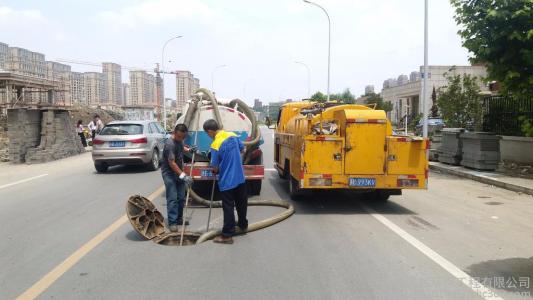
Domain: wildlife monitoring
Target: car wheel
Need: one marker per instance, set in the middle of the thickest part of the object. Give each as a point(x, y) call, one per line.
point(154, 164)
point(101, 167)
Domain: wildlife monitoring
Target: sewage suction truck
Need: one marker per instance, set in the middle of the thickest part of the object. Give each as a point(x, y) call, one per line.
point(234, 116)
point(345, 146)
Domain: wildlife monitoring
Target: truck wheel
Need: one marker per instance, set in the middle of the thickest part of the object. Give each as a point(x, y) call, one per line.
point(254, 187)
point(101, 167)
point(380, 195)
point(294, 189)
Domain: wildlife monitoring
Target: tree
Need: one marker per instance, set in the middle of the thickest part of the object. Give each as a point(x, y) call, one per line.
point(500, 34)
point(318, 97)
point(460, 102)
point(434, 107)
point(373, 98)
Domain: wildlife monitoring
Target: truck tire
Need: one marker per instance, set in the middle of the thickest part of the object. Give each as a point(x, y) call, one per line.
point(254, 187)
point(101, 167)
point(294, 189)
point(380, 195)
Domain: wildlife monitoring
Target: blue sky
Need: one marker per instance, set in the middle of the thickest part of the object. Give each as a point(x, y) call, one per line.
point(257, 40)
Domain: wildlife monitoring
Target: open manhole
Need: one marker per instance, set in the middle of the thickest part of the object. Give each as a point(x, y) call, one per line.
point(150, 223)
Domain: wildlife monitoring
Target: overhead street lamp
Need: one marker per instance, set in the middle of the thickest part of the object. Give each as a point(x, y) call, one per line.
point(329, 38)
point(163, 78)
point(308, 77)
point(425, 97)
point(213, 76)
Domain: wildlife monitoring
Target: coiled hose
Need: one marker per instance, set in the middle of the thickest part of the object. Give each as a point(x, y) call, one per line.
point(255, 138)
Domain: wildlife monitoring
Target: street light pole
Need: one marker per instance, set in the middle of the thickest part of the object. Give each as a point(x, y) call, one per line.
point(163, 78)
point(213, 76)
point(425, 83)
point(308, 77)
point(329, 39)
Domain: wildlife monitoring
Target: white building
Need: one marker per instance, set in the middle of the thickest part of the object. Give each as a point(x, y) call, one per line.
point(409, 93)
point(186, 85)
point(142, 88)
point(126, 93)
point(369, 89)
point(94, 88)
point(61, 75)
point(113, 80)
point(4, 53)
point(77, 88)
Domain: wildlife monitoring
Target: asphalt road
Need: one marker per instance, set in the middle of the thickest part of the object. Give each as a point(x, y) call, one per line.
point(337, 245)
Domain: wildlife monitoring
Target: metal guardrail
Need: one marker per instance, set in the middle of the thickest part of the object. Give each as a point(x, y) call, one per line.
point(501, 114)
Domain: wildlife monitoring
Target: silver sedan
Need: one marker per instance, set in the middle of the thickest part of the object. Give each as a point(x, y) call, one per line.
point(129, 143)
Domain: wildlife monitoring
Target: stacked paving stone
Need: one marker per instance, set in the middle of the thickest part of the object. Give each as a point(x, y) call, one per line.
point(23, 132)
point(451, 147)
point(58, 138)
point(481, 150)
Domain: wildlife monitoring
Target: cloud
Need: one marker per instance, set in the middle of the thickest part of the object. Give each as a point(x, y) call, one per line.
point(156, 12)
point(10, 15)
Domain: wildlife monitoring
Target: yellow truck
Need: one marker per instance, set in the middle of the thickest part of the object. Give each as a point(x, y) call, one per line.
point(346, 146)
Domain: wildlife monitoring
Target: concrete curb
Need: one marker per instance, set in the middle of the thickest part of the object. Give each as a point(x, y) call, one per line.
point(484, 179)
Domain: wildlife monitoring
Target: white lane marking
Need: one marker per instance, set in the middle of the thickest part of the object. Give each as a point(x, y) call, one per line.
point(270, 169)
point(470, 282)
point(22, 181)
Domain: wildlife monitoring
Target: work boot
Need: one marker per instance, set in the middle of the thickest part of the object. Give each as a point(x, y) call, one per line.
point(173, 228)
point(223, 239)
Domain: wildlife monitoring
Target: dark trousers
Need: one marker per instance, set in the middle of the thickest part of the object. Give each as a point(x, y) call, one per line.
point(175, 193)
point(235, 198)
point(93, 134)
point(83, 140)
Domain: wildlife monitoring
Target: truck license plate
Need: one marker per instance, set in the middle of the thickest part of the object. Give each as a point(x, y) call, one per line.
point(207, 173)
point(117, 144)
point(363, 182)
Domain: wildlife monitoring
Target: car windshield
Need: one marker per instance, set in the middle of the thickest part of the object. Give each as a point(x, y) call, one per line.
point(122, 129)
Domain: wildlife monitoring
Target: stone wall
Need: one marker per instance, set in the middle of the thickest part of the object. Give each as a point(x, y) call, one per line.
point(4, 141)
point(24, 132)
point(58, 138)
point(39, 136)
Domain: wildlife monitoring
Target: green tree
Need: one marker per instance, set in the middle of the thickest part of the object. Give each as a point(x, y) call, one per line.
point(345, 97)
point(460, 102)
point(318, 97)
point(500, 34)
point(373, 98)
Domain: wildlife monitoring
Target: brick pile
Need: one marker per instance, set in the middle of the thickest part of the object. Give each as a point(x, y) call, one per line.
point(23, 132)
point(58, 138)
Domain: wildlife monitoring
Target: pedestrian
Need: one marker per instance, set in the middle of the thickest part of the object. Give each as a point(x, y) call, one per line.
point(226, 161)
point(95, 126)
point(79, 130)
point(176, 181)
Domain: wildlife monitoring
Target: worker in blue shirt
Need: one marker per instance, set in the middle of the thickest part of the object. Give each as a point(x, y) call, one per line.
point(226, 161)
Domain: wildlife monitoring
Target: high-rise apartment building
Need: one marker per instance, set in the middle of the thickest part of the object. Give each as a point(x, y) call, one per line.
point(26, 62)
point(4, 53)
point(186, 85)
point(60, 74)
point(77, 88)
point(94, 87)
point(126, 93)
point(112, 73)
point(142, 88)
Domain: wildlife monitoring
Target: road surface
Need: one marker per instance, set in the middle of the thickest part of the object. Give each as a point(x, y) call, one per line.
point(64, 237)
